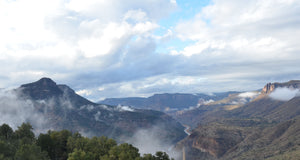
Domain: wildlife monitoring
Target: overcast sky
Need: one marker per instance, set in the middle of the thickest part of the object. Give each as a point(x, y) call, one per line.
point(124, 48)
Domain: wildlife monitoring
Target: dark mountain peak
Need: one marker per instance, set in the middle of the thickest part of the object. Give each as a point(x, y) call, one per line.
point(46, 80)
point(270, 87)
point(42, 82)
point(46, 88)
point(41, 89)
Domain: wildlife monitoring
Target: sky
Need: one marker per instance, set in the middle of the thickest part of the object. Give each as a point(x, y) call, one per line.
point(126, 48)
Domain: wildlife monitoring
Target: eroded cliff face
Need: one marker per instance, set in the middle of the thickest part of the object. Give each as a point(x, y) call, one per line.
point(217, 140)
point(270, 87)
point(213, 141)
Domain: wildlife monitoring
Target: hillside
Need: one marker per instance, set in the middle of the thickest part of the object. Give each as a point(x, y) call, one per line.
point(264, 128)
point(219, 141)
point(215, 110)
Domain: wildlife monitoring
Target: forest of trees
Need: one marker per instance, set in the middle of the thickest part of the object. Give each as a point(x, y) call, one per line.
point(22, 144)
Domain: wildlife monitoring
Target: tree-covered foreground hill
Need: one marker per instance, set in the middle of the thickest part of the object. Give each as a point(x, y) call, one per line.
point(22, 144)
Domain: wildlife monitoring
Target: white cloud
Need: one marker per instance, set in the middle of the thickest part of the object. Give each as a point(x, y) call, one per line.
point(236, 45)
point(114, 9)
point(124, 108)
point(195, 49)
point(201, 102)
point(249, 94)
point(22, 26)
point(111, 37)
point(135, 15)
point(84, 92)
point(101, 89)
point(284, 94)
point(114, 44)
point(174, 2)
point(252, 30)
point(97, 116)
point(65, 38)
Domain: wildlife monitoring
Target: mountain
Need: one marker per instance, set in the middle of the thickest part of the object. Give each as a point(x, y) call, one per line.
point(46, 88)
point(167, 102)
point(263, 128)
point(62, 108)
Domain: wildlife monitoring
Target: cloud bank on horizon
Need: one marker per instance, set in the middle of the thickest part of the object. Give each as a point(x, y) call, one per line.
point(137, 48)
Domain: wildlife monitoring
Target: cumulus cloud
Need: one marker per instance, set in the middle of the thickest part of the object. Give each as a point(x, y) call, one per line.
point(242, 29)
point(243, 35)
point(112, 45)
point(284, 94)
point(84, 92)
point(56, 31)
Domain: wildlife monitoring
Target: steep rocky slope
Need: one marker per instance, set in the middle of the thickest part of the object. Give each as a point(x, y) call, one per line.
point(219, 141)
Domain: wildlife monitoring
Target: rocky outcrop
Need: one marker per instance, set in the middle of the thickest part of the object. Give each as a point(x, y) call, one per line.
point(270, 87)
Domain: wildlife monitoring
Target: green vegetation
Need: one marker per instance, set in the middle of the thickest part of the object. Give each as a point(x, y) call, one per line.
point(22, 144)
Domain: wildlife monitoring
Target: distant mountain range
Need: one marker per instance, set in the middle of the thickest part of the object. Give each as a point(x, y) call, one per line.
point(61, 108)
point(168, 102)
